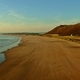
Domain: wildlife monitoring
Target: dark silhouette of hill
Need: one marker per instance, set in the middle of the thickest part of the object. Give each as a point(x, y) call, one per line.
point(65, 30)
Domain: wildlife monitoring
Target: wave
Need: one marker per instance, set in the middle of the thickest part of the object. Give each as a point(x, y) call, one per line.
point(7, 42)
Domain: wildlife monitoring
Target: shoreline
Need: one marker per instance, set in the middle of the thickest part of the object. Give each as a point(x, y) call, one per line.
point(21, 40)
point(6, 48)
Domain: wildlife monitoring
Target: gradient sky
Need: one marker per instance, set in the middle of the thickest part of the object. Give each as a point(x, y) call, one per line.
point(37, 15)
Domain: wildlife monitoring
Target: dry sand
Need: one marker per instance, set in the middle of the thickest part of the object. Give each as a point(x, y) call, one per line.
point(42, 58)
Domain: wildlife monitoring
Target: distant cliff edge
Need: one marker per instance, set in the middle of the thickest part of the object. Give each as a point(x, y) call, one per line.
point(65, 30)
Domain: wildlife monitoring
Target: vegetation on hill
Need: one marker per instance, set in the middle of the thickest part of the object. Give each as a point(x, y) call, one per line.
point(65, 30)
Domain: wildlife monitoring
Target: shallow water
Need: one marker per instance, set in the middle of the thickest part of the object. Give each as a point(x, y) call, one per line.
point(7, 42)
point(2, 57)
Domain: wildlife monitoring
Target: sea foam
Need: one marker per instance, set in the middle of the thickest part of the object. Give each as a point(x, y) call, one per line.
point(7, 42)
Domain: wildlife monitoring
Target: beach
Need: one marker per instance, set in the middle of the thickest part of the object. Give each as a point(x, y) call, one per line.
point(41, 58)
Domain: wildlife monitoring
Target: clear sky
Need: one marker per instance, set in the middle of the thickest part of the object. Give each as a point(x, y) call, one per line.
point(37, 15)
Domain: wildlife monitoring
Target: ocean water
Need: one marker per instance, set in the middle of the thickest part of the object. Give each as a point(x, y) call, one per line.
point(7, 42)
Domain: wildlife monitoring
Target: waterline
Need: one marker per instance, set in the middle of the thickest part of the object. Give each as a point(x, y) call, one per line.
point(2, 57)
point(13, 42)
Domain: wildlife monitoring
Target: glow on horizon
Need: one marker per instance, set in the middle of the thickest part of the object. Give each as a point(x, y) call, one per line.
point(37, 15)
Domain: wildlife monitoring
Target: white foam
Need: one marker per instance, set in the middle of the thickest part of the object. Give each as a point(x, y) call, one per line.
point(7, 42)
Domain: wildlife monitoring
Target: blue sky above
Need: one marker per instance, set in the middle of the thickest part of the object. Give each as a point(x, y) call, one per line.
point(37, 15)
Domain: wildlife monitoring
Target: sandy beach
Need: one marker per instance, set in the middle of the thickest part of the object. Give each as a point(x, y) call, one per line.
point(42, 58)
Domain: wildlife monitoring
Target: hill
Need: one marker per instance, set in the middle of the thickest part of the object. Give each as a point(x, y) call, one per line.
point(65, 30)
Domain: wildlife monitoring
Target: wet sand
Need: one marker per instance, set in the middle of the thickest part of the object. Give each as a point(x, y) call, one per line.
point(42, 58)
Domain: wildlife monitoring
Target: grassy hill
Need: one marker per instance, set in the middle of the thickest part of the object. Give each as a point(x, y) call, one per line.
point(65, 30)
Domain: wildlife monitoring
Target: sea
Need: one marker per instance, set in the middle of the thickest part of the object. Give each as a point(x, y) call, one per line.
point(7, 42)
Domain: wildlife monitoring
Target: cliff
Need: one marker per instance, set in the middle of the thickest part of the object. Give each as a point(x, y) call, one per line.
point(65, 30)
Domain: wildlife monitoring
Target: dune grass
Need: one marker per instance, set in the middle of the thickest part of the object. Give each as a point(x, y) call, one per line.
point(69, 38)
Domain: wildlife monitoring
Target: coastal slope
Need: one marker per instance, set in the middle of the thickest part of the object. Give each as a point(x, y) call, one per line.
point(65, 30)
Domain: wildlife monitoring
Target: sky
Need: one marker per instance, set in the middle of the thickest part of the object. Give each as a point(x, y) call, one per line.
point(37, 15)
